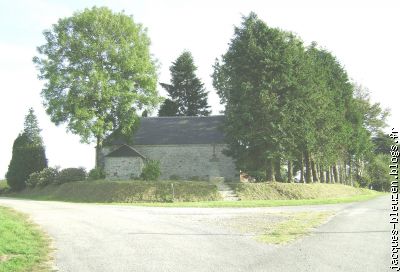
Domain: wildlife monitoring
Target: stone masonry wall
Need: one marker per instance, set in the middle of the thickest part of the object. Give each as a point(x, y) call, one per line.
point(123, 167)
point(187, 161)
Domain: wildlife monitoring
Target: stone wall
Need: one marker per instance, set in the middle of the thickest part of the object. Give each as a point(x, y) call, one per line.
point(123, 167)
point(187, 161)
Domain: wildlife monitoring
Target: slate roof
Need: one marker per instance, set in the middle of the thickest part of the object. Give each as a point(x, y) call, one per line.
point(125, 151)
point(177, 130)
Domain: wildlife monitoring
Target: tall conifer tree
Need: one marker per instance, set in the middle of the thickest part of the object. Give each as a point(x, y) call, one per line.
point(188, 96)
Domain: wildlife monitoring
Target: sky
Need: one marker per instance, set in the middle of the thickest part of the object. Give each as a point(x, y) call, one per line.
point(361, 34)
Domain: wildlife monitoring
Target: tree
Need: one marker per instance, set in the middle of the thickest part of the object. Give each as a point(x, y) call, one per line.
point(168, 108)
point(187, 92)
point(99, 74)
point(31, 127)
point(28, 154)
point(254, 78)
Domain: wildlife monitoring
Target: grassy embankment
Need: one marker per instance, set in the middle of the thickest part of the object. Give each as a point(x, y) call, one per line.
point(197, 194)
point(23, 247)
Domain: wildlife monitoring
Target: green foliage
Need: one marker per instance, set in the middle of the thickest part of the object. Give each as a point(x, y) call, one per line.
point(71, 174)
point(168, 108)
point(289, 102)
point(96, 174)
point(31, 127)
point(376, 173)
point(33, 179)
point(151, 171)
point(187, 92)
point(45, 177)
point(27, 158)
point(98, 72)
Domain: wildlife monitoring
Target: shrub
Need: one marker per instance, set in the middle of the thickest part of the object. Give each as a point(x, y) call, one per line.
point(42, 178)
point(71, 174)
point(33, 179)
point(151, 171)
point(96, 173)
point(47, 176)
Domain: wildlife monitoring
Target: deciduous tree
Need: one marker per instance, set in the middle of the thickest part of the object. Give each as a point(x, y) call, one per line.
point(98, 74)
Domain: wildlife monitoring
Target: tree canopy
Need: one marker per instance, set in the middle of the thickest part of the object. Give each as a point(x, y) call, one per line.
point(287, 103)
point(98, 73)
point(188, 96)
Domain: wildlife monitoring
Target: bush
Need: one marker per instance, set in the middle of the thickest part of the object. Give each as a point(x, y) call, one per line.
point(45, 177)
point(33, 180)
point(71, 174)
point(96, 174)
point(151, 171)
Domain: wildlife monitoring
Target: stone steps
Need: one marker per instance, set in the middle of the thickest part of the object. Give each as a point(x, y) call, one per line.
point(227, 193)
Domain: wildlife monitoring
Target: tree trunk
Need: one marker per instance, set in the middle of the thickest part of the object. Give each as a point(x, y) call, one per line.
point(308, 167)
point(321, 174)
point(277, 169)
point(290, 173)
point(99, 163)
point(328, 175)
point(350, 174)
point(335, 174)
point(314, 171)
point(269, 174)
point(301, 170)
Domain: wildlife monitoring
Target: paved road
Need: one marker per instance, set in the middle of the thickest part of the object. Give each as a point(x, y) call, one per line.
point(124, 238)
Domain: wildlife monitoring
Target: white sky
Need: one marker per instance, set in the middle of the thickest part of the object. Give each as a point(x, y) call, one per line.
point(362, 34)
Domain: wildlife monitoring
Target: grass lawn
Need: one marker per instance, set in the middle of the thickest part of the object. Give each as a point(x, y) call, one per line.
point(23, 247)
point(294, 226)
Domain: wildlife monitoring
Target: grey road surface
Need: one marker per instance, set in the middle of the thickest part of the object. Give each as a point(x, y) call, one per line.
point(96, 238)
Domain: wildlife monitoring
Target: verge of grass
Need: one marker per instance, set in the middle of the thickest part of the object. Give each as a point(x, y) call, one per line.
point(257, 203)
point(279, 190)
point(103, 191)
point(295, 226)
point(194, 194)
point(23, 247)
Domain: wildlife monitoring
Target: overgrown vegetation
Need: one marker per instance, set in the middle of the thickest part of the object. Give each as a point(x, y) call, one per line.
point(96, 174)
point(294, 225)
point(23, 247)
point(123, 191)
point(151, 170)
